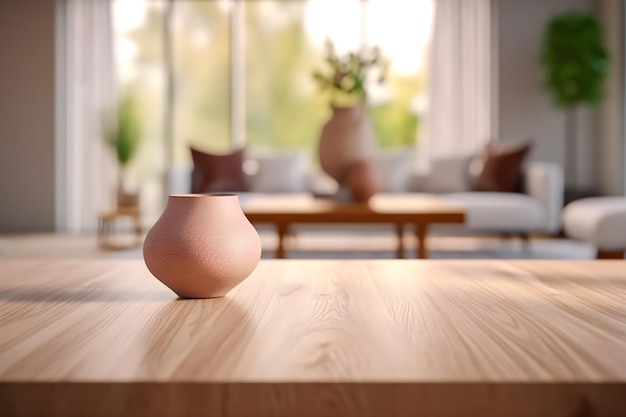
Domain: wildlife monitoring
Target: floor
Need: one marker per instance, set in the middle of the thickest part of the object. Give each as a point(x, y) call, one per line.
point(319, 245)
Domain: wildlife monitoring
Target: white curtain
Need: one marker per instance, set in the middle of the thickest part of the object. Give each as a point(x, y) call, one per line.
point(461, 78)
point(89, 91)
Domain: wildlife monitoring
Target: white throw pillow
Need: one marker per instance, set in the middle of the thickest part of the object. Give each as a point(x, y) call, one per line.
point(449, 174)
point(395, 169)
point(283, 172)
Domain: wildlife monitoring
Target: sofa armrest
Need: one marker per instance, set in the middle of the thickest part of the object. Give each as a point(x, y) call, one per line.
point(544, 181)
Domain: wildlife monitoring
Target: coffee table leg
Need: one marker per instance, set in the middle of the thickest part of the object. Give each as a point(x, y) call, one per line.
point(420, 232)
point(282, 232)
point(399, 234)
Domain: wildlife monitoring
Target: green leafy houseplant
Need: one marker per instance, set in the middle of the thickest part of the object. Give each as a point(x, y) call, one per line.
point(576, 64)
point(346, 79)
point(575, 59)
point(124, 133)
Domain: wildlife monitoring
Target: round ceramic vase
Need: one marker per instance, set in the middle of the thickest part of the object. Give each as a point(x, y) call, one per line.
point(202, 246)
point(347, 137)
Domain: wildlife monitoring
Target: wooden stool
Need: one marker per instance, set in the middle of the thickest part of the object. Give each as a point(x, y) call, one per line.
point(107, 232)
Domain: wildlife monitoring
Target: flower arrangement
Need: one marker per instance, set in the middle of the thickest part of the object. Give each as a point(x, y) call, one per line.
point(346, 82)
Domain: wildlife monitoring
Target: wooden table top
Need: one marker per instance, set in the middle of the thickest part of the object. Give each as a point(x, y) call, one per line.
point(301, 337)
point(382, 208)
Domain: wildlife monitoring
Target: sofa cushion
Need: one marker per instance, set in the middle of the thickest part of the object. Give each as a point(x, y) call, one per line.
point(502, 168)
point(394, 168)
point(281, 172)
point(600, 221)
point(449, 174)
point(500, 211)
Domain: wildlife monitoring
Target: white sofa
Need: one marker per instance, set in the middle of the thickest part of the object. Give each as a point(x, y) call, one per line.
point(537, 210)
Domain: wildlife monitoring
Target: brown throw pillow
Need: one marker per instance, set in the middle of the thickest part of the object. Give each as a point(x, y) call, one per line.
point(502, 168)
point(217, 173)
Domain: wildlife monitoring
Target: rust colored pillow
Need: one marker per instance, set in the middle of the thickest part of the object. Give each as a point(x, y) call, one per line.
point(217, 173)
point(502, 168)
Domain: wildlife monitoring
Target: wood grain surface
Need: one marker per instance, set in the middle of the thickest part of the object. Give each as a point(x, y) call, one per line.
point(316, 338)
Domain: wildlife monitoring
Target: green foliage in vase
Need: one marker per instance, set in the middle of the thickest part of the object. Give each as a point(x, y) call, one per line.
point(124, 131)
point(575, 59)
point(346, 82)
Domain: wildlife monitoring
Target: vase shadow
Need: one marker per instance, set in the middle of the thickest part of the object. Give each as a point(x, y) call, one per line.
point(57, 295)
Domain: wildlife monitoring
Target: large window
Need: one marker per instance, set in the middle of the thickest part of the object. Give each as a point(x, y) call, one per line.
point(402, 30)
point(202, 48)
point(138, 30)
point(242, 70)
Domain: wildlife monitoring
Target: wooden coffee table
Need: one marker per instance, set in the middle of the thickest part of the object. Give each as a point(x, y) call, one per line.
point(422, 210)
point(316, 338)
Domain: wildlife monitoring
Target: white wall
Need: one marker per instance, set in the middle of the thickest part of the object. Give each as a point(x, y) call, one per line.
point(27, 127)
point(525, 107)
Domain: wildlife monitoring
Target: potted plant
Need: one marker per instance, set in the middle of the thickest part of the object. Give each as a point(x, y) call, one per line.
point(124, 133)
point(576, 64)
point(347, 139)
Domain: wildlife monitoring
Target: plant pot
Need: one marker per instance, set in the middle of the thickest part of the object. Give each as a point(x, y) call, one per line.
point(126, 199)
point(202, 246)
point(347, 137)
point(127, 192)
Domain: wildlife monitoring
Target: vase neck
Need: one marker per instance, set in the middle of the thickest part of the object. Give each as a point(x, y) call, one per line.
point(354, 111)
point(202, 201)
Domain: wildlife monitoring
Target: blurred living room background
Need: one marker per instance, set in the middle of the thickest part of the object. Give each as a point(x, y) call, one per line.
point(102, 101)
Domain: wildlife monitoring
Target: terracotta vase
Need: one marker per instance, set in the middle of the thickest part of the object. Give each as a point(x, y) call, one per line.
point(362, 180)
point(202, 246)
point(347, 137)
